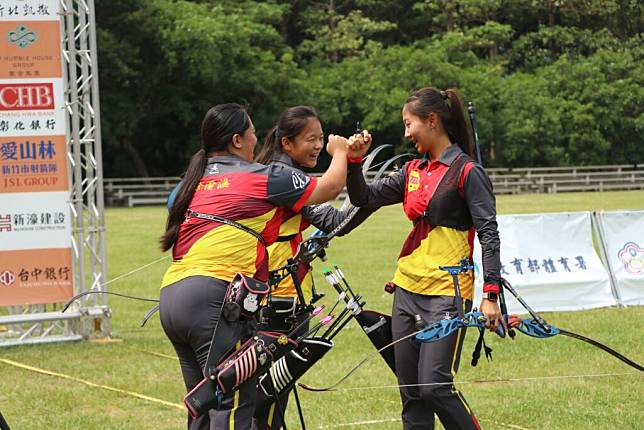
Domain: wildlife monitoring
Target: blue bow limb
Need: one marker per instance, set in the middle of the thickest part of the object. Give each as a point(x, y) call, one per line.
point(534, 329)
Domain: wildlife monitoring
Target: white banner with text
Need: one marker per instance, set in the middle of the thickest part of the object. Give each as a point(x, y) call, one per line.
point(551, 262)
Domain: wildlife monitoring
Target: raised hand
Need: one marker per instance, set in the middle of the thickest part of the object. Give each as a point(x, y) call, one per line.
point(359, 144)
point(336, 143)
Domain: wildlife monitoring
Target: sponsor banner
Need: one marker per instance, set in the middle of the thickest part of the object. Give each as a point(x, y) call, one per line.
point(31, 10)
point(623, 234)
point(34, 221)
point(30, 49)
point(34, 163)
point(35, 276)
point(32, 107)
point(550, 260)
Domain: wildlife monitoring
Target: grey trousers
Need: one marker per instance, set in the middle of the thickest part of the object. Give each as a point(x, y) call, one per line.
point(421, 364)
point(189, 311)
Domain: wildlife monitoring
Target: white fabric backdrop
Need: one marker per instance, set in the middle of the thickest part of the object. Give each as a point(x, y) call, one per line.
point(623, 234)
point(550, 260)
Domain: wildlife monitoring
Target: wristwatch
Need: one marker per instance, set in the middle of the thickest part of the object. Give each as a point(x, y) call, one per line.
point(491, 296)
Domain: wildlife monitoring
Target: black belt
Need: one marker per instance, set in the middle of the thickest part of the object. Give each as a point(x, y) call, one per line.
point(286, 238)
point(208, 217)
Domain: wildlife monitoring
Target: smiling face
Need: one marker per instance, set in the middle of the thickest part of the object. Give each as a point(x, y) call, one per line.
point(420, 131)
point(305, 148)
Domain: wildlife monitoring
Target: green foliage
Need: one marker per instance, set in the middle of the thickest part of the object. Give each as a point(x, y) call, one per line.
point(335, 36)
point(546, 45)
point(555, 82)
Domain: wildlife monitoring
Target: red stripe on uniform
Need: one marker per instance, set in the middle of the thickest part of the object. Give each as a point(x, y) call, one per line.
point(418, 234)
point(307, 193)
point(470, 241)
point(461, 181)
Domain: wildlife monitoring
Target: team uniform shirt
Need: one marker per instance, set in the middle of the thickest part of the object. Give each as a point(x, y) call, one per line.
point(427, 246)
point(251, 194)
point(324, 216)
point(290, 234)
point(289, 237)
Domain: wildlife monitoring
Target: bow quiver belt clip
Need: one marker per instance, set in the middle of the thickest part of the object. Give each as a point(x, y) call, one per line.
point(279, 314)
point(243, 296)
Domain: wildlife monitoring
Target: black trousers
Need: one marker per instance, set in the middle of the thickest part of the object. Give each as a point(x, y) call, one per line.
point(3, 423)
point(272, 419)
point(421, 364)
point(189, 311)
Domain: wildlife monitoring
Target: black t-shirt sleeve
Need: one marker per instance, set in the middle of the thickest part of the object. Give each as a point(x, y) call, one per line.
point(482, 205)
point(383, 192)
point(289, 187)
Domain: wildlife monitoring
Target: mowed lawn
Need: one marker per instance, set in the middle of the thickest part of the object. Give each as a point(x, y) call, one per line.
point(544, 384)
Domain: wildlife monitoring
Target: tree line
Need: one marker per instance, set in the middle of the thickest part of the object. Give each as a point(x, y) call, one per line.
point(555, 82)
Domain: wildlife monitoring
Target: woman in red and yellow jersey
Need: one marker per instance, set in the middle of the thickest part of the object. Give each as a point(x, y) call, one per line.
point(296, 142)
point(447, 197)
point(223, 180)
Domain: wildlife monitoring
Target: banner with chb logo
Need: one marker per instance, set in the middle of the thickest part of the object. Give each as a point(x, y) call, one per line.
point(35, 229)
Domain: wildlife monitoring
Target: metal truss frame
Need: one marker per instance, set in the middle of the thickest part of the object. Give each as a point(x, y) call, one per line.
point(90, 316)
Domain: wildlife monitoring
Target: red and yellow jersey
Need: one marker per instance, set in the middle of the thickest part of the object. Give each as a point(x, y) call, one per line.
point(278, 253)
point(429, 246)
point(249, 193)
point(447, 200)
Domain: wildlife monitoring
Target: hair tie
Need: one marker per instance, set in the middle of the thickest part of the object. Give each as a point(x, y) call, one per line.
point(446, 99)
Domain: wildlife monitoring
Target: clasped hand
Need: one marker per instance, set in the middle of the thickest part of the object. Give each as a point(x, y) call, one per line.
point(355, 146)
point(359, 144)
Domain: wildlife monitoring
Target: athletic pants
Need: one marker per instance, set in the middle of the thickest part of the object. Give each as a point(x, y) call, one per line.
point(3, 423)
point(427, 363)
point(272, 419)
point(189, 311)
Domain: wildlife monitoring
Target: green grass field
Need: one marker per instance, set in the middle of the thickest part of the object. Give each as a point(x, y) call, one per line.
point(537, 389)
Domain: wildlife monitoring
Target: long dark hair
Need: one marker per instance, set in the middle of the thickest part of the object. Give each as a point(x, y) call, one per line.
point(219, 126)
point(290, 123)
point(449, 108)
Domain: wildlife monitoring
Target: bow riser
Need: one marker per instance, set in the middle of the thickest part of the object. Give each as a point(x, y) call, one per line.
point(444, 328)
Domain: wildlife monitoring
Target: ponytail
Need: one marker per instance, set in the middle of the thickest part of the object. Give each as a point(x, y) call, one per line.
point(218, 127)
point(182, 201)
point(449, 108)
point(459, 129)
point(271, 147)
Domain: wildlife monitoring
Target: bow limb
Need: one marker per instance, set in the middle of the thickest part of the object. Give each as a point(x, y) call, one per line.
point(113, 293)
point(603, 347)
point(391, 161)
point(537, 327)
point(318, 240)
point(533, 328)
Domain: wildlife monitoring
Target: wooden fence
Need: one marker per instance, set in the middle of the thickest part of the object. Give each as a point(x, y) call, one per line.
point(154, 191)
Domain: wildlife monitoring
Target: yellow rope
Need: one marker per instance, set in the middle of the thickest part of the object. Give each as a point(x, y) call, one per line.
point(91, 384)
